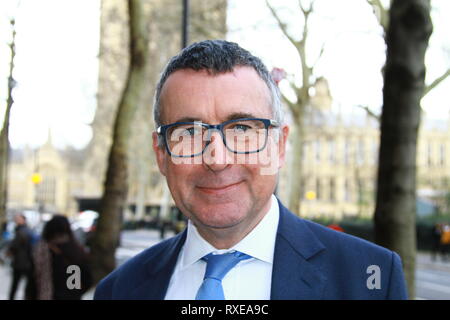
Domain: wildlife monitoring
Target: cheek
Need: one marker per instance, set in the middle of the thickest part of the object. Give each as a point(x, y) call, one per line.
point(262, 179)
point(179, 177)
point(265, 163)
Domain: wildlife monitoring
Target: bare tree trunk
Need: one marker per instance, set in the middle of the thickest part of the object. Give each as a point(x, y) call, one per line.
point(407, 39)
point(114, 198)
point(382, 14)
point(4, 134)
point(295, 192)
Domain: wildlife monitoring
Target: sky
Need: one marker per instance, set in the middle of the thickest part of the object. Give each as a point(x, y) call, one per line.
point(56, 70)
point(57, 59)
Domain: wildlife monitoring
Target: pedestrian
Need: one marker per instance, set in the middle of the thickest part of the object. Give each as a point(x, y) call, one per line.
point(436, 241)
point(445, 241)
point(20, 250)
point(55, 255)
point(220, 141)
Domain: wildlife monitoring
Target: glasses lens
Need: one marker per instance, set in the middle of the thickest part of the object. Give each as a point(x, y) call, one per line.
point(245, 136)
point(185, 140)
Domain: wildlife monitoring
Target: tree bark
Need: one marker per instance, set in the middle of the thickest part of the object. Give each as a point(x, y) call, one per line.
point(382, 14)
point(4, 133)
point(114, 199)
point(407, 39)
point(295, 192)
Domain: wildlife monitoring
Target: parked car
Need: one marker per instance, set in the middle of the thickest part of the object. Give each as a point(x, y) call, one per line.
point(84, 224)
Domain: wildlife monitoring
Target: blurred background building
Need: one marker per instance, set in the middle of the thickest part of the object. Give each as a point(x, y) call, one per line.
point(340, 157)
point(340, 153)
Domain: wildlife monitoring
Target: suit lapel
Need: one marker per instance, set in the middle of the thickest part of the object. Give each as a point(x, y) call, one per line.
point(160, 269)
point(296, 275)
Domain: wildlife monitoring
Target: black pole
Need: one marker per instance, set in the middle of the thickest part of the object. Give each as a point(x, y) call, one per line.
point(185, 24)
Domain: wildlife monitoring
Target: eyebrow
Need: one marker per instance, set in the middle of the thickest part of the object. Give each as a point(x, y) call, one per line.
point(233, 116)
point(240, 115)
point(187, 119)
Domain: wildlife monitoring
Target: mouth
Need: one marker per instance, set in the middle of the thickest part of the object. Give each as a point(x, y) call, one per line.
point(217, 190)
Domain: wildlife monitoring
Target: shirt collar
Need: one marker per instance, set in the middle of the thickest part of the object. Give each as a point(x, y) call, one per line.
point(259, 243)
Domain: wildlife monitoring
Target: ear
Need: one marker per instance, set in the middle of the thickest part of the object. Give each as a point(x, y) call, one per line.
point(284, 132)
point(160, 154)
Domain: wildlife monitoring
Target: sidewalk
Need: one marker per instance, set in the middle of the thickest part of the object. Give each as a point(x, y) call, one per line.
point(5, 283)
point(424, 261)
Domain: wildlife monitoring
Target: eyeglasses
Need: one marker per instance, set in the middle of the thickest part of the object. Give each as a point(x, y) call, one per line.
point(240, 136)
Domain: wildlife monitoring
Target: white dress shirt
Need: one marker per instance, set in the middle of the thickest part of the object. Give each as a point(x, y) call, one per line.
point(249, 280)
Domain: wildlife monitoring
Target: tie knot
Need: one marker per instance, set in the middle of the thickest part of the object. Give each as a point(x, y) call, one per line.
point(218, 265)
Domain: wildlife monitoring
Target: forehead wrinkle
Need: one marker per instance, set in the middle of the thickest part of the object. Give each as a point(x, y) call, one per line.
point(213, 107)
point(263, 96)
point(184, 89)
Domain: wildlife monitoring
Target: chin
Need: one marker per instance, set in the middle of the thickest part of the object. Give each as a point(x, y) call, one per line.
point(218, 223)
point(218, 216)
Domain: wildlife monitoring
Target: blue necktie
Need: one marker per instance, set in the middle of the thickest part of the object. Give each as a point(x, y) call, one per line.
point(217, 267)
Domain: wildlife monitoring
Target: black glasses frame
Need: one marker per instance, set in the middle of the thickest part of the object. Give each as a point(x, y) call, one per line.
point(162, 131)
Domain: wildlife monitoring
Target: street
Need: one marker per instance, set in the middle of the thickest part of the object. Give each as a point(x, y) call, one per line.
point(432, 277)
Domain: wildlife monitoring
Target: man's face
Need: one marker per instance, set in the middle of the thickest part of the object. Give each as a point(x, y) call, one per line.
point(224, 190)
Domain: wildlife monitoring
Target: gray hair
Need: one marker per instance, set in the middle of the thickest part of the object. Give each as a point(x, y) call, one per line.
point(217, 56)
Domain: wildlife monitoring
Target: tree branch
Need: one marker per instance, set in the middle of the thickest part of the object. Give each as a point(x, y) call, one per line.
point(322, 49)
point(436, 82)
point(381, 13)
point(282, 25)
point(370, 113)
point(299, 45)
point(306, 12)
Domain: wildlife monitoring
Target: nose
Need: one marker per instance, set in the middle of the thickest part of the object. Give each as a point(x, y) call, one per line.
point(216, 156)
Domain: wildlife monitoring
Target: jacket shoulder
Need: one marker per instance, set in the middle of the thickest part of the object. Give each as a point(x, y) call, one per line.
point(134, 271)
point(378, 269)
point(348, 262)
point(306, 231)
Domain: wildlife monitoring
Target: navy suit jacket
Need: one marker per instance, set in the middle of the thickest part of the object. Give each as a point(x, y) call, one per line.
point(310, 262)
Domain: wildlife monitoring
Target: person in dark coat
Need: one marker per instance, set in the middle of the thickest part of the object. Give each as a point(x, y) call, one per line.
point(58, 258)
point(436, 236)
point(20, 251)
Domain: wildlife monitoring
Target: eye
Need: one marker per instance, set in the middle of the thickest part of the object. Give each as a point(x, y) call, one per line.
point(192, 131)
point(239, 127)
